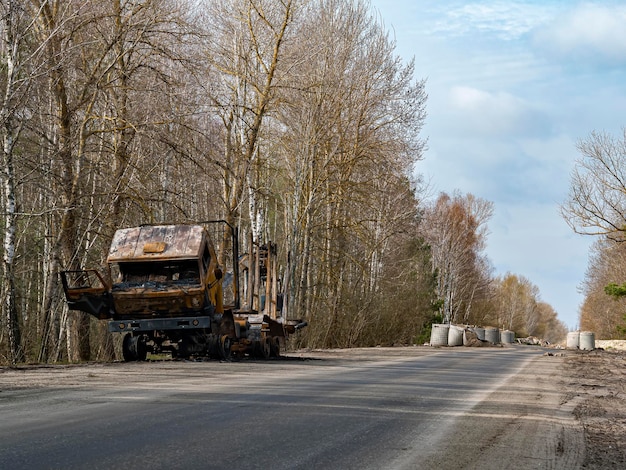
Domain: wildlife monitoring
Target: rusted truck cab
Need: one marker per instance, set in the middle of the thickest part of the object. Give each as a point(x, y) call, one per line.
point(167, 293)
point(164, 271)
point(163, 290)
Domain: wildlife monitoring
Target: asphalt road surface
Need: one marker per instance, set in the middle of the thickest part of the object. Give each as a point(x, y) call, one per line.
point(382, 408)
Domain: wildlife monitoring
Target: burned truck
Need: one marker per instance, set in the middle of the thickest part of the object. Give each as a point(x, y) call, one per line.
point(169, 290)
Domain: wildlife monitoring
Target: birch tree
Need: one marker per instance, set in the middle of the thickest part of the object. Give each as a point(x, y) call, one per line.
point(15, 28)
point(21, 68)
point(456, 230)
point(596, 205)
point(244, 53)
point(100, 55)
point(299, 112)
point(352, 121)
point(550, 328)
point(517, 304)
point(71, 103)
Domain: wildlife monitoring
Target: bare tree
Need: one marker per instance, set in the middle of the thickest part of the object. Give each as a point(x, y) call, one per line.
point(58, 25)
point(302, 119)
point(244, 54)
point(550, 328)
point(351, 122)
point(596, 204)
point(600, 312)
point(105, 55)
point(20, 67)
point(456, 229)
point(517, 305)
point(14, 30)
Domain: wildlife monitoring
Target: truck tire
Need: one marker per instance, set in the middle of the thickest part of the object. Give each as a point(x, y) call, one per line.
point(224, 347)
point(126, 348)
point(275, 347)
point(134, 348)
point(266, 348)
point(141, 347)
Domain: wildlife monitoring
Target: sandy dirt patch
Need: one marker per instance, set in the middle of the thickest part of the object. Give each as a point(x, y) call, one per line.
point(596, 381)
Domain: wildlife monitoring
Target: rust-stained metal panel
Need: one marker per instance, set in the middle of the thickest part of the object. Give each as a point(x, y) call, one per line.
point(156, 242)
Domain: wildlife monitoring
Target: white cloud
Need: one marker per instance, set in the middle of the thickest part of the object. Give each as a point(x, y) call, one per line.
point(497, 114)
point(589, 32)
point(507, 20)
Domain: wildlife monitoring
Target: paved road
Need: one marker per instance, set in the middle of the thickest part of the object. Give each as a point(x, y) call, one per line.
point(360, 409)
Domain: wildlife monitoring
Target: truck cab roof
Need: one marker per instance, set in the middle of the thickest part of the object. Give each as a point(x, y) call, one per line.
point(157, 242)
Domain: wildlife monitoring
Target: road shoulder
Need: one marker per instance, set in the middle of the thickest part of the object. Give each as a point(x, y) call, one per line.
point(595, 383)
point(525, 423)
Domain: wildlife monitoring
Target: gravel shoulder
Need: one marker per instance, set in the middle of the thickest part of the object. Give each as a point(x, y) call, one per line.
point(595, 383)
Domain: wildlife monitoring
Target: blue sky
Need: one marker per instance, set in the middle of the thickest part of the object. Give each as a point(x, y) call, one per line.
point(513, 86)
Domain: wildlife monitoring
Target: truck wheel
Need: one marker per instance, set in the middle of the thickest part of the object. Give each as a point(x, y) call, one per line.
point(126, 352)
point(275, 347)
point(127, 348)
point(224, 347)
point(266, 348)
point(141, 348)
point(134, 348)
point(183, 350)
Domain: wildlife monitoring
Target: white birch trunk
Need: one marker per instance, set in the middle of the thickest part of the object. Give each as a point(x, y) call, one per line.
point(10, 132)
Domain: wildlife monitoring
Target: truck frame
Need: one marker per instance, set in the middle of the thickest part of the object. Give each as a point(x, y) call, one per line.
point(167, 289)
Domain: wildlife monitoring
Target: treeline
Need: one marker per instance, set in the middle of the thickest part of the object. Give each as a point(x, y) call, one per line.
point(294, 120)
point(596, 206)
point(466, 291)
